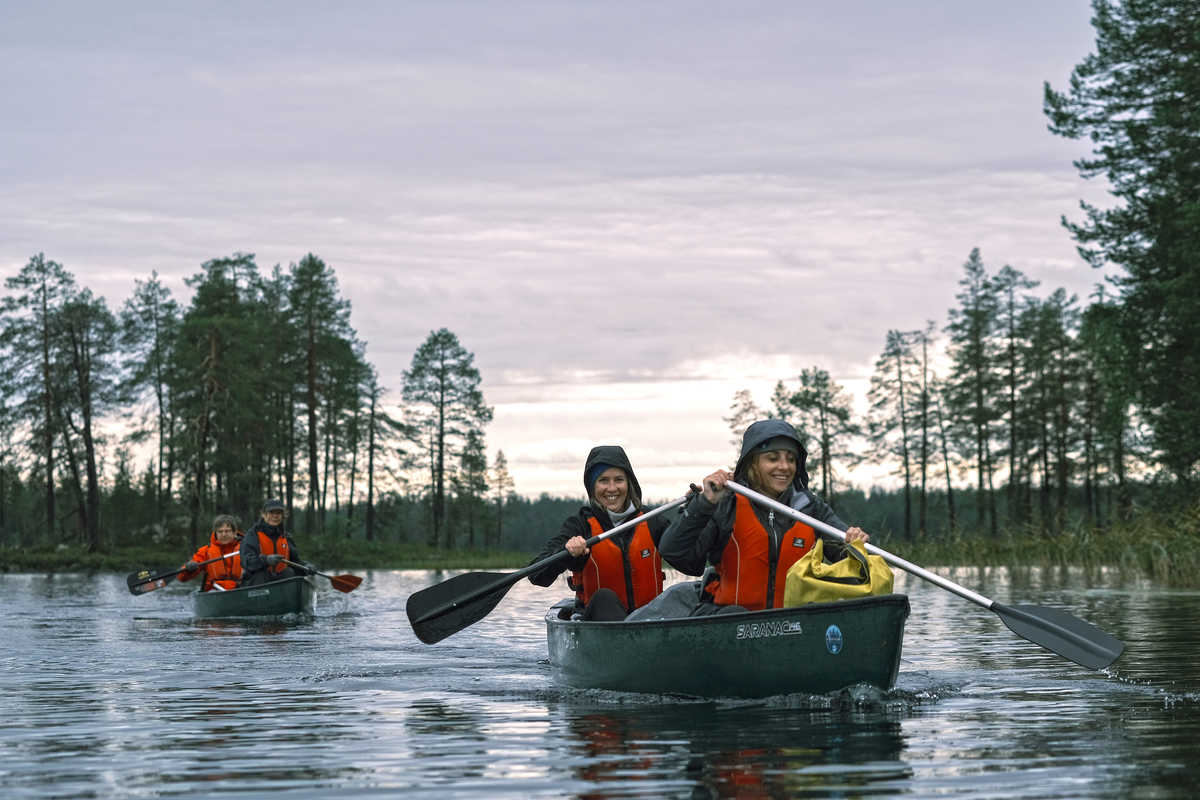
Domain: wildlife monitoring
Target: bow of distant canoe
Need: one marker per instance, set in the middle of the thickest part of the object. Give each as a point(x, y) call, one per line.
point(813, 649)
point(288, 596)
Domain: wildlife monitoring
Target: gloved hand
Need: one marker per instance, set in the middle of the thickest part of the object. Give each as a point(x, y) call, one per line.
point(191, 566)
point(273, 559)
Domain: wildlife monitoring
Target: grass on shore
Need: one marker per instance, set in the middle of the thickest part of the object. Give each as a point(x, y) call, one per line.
point(1165, 549)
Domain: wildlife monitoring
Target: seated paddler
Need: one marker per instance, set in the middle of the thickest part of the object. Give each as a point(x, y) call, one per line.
point(750, 546)
point(219, 559)
point(268, 547)
point(620, 573)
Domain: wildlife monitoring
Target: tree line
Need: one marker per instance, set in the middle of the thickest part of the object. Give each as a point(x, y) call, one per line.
point(1018, 399)
point(259, 387)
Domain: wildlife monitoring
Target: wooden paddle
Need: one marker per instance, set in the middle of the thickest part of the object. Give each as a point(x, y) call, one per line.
point(1057, 631)
point(142, 581)
point(454, 604)
point(343, 583)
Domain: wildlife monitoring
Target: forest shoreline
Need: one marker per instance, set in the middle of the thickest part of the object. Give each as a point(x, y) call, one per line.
point(1168, 554)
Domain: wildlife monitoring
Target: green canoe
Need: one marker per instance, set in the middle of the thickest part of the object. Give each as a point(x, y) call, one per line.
point(288, 596)
point(813, 649)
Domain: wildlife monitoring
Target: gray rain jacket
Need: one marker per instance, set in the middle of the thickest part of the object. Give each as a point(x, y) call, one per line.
point(698, 537)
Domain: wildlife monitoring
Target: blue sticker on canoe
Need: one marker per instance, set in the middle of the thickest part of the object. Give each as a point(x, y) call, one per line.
point(833, 639)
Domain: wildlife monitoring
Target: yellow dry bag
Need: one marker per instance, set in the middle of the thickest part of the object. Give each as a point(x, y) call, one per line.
point(859, 574)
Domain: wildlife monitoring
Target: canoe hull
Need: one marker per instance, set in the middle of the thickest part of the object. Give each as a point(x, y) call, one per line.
point(816, 648)
point(288, 596)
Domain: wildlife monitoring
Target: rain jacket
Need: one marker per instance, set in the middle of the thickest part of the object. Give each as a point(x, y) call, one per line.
point(264, 540)
point(753, 573)
point(226, 572)
point(628, 562)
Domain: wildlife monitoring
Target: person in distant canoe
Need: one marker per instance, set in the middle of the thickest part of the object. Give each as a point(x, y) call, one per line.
point(267, 548)
point(622, 572)
point(222, 574)
point(751, 547)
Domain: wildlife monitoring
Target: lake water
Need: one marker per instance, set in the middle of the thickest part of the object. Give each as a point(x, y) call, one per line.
point(109, 695)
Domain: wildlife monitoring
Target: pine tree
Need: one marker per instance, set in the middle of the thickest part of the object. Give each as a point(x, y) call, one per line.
point(742, 412)
point(502, 486)
point(321, 319)
point(87, 344)
point(971, 386)
point(29, 319)
point(822, 407)
point(1009, 284)
point(149, 322)
point(891, 392)
point(1137, 100)
point(441, 388)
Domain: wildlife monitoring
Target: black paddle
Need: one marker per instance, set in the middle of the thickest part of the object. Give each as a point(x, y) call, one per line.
point(343, 583)
point(1057, 631)
point(463, 600)
point(142, 581)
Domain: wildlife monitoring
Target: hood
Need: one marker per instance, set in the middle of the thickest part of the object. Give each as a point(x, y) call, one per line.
point(613, 455)
point(763, 431)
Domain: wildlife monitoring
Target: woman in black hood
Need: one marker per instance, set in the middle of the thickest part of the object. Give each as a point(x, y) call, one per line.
point(624, 571)
point(751, 574)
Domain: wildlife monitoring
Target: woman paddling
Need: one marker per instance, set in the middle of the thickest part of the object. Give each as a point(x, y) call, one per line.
point(751, 548)
point(624, 571)
point(268, 547)
point(223, 573)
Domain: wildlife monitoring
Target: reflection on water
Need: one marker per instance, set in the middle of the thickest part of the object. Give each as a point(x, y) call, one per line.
point(730, 752)
point(110, 695)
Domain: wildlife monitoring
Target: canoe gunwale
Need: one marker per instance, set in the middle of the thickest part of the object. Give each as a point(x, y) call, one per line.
point(296, 598)
point(814, 649)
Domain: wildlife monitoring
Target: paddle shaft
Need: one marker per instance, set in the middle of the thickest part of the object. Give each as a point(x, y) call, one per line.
point(894, 560)
point(310, 569)
point(1055, 630)
point(511, 579)
point(343, 583)
point(167, 575)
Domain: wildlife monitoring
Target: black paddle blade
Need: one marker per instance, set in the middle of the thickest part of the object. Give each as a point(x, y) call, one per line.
point(1062, 633)
point(457, 603)
point(142, 581)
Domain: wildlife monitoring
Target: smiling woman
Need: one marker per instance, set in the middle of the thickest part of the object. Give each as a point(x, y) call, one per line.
point(623, 572)
point(752, 547)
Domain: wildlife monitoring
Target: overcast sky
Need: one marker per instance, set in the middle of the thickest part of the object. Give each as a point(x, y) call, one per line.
point(627, 211)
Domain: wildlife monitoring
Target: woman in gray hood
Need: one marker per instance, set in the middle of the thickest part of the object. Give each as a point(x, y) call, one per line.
point(623, 572)
point(749, 546)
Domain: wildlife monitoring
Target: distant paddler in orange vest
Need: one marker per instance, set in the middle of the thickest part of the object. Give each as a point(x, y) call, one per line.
point(268, 547)
point(620, 573)
point(751, 547)
point(224, 567)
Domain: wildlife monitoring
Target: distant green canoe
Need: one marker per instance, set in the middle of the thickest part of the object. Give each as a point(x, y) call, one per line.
point(288, 596)
point(813, 649)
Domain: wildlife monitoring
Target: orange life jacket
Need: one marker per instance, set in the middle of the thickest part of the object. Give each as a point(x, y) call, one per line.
point(267, 546)
point(755, 561)
point(635, 570)
point(226, 572)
